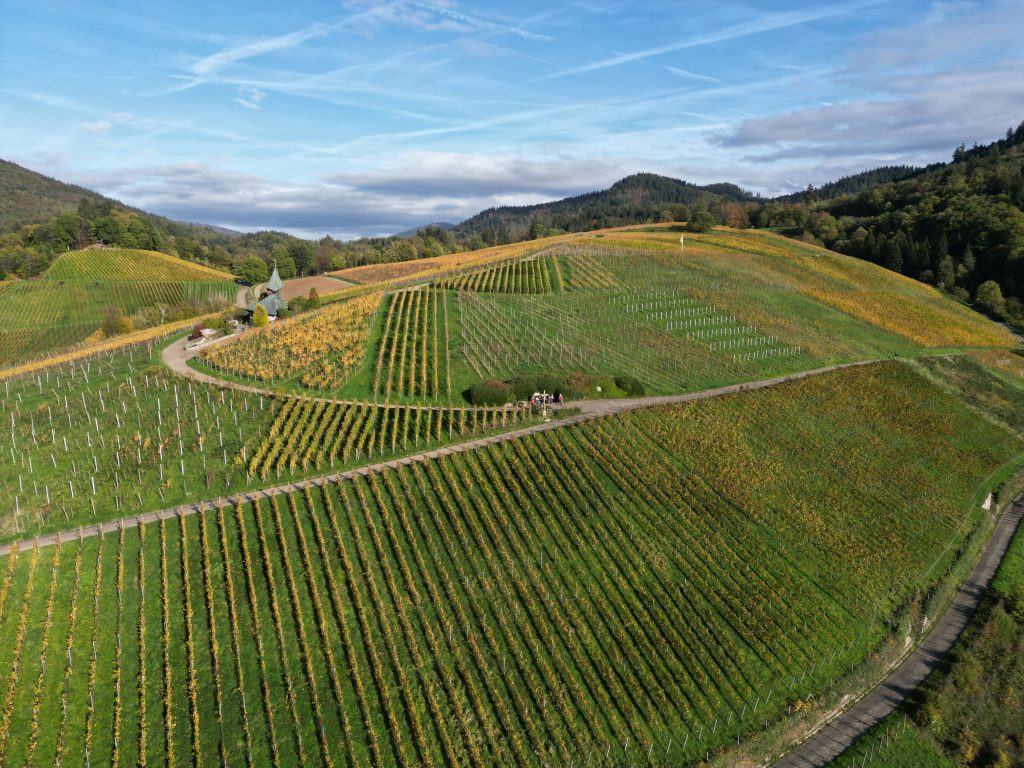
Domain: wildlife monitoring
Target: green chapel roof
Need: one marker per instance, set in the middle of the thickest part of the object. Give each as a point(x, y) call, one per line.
point(275, 283)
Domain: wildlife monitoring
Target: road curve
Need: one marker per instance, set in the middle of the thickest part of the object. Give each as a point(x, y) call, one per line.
point(841, 732)
point(588, 409)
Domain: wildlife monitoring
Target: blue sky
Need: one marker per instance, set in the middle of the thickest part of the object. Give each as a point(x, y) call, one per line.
point(363, 117)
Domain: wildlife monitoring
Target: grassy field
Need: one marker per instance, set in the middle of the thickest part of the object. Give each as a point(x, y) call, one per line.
point(64, 307)
point(613, 592)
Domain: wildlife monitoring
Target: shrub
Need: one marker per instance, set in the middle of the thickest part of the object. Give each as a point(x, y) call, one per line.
point(491, 392)
point(701, 221)
point(197, 331)
point(989, 298)
point(575, 385)
point(314, 298)
point(115, 323)
point(259, 317)
point(630, 385)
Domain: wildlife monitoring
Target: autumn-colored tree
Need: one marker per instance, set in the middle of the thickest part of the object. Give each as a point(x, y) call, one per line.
point(260, 317)
point(115, 323)
point(989, 298)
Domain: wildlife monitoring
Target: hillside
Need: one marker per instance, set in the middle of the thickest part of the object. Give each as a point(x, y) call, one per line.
point(41, 218)
point(564, 312)
point(650, 586)
point(27, 197)
point(960, 716)
point(387, 608)
point(635, 199)
point(851, 185)
point(113, 264)
point(955, 225)
point(67, 304)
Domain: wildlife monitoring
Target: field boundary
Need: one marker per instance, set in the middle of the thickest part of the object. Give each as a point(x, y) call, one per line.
point(837, 735)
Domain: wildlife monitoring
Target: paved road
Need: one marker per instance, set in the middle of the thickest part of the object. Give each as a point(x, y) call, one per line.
point(840, 733)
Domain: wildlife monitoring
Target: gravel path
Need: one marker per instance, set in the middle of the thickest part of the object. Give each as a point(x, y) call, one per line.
point(175, 356)
point(839, 734)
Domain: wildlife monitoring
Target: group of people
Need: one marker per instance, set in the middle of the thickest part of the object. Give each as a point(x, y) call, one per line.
point(546, 399)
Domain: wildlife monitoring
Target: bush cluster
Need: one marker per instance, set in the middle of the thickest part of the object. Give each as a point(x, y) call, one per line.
point(572, 386)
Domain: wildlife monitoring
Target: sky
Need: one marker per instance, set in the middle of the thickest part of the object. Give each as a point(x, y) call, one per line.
point(360, 117)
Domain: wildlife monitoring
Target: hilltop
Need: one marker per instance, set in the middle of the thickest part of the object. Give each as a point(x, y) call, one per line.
point(632, 200)
point(27, 197)
point(41, 218)
point(955, 225)
point(128, 264)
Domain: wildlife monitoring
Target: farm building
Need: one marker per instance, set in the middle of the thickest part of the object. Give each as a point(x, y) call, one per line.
point(270, 296)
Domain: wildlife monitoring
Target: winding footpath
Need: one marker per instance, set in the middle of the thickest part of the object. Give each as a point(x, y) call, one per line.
point(841, 732)
point(827, 743)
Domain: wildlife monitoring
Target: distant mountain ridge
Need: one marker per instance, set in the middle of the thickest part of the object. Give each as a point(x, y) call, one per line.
point(634, 199)
point(853, 184)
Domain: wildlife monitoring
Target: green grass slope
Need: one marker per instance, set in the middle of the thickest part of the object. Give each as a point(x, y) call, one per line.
point(636, 589)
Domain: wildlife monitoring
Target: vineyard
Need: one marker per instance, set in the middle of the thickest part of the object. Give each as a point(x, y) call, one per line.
point(318, 433)
point(529, 274)
point(413, 353)
point(437, 267)
point(64, 307)
point(322, 349)
point(115, 436)
point(672, 342)
point(602, 594)
point(128, 264)
point(721, 307)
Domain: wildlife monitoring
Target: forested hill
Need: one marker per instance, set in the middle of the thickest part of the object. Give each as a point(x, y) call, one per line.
point(635, 199)
point(41, 218)
point(957, 225)
point(852, 185)
point(27, 197)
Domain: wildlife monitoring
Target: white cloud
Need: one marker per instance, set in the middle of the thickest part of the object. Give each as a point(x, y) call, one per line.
point(99, 127)
point(214, 63)
point(687, 74)
point(418, 188)
point(250, 98)
point(767, 23)
point(479, 23)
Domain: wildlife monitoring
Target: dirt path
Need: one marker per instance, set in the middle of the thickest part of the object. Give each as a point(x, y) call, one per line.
point(175, 357)
point(839, 734)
